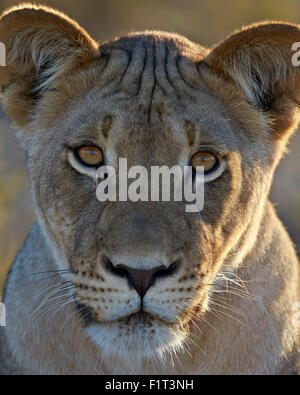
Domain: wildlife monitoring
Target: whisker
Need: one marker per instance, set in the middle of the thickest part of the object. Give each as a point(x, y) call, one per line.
point(230, 316)
point(46, 298)
point(55, 274)
point(229, 308)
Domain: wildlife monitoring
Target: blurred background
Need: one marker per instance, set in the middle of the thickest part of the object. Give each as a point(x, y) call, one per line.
point(204, 21)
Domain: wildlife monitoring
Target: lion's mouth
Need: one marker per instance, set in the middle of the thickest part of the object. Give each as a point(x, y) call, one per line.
point(140, 319)
point(137, 320)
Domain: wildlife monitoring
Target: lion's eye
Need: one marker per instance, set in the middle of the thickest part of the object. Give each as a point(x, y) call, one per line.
point(89, 155)
point(207, 160)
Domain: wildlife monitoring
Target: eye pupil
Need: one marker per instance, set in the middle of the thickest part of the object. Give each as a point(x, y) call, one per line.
point(90, 155)
point(205, 159)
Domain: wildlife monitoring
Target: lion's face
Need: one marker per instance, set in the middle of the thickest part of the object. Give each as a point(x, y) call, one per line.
point(149, 121)
point(143, 274)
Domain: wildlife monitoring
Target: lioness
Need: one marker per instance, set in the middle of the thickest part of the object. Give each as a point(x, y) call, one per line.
point(147, 287)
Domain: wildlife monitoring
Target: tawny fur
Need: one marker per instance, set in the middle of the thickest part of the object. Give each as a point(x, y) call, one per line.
point(156, 99)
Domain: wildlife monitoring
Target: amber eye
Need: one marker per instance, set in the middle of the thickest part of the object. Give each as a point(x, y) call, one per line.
point(89, 155)
point(206, 159)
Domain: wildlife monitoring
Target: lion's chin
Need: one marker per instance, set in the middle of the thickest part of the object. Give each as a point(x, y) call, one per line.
point(138, 337)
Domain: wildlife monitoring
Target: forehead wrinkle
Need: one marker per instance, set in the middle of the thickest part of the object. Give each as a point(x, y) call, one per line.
point(203, 113)
point(150, 72)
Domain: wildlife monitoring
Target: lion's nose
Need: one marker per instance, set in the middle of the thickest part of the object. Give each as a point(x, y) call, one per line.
point(142, 280)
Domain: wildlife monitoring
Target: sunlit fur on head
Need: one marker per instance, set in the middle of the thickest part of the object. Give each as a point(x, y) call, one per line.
point(155, 99)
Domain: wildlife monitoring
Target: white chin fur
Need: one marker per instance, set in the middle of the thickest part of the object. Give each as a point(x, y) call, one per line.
point(134, 345)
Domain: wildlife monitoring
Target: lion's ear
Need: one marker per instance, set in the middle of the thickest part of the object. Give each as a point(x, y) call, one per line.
point(42, 45)
point(261, 61)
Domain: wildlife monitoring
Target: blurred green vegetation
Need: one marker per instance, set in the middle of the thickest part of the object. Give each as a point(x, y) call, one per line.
point(206, 22)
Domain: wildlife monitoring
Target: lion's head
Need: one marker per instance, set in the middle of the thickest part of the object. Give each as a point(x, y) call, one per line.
point(144, 274)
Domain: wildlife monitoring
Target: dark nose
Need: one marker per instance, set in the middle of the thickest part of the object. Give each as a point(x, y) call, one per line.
point(140, 279)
